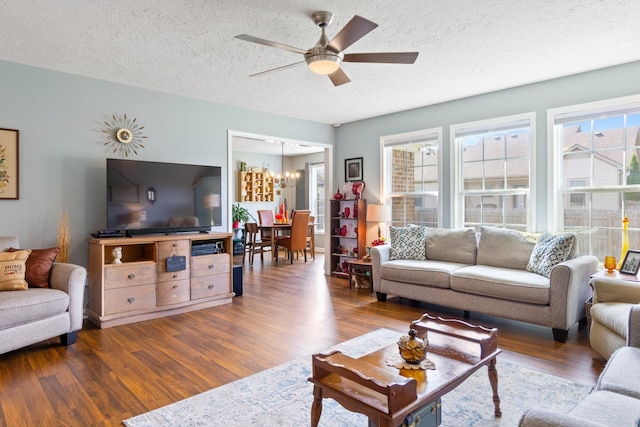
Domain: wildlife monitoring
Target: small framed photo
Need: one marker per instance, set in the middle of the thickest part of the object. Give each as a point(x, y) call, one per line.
point(631, 262)
point(353, 169)
point(9, 164)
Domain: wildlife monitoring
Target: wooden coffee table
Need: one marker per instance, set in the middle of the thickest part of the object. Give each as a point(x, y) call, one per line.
point(387, 395)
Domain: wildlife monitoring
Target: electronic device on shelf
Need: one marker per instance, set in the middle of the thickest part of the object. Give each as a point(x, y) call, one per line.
point(100, 234)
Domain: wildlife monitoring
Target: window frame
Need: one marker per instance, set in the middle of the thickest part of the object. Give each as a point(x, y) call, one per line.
point(491, 125)
point(406, 138)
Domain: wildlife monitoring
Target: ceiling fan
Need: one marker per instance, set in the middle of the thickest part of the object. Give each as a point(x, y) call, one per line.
point(326, 56)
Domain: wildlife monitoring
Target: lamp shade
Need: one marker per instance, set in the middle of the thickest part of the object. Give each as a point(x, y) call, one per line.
point(211, 200)
point(378, 213)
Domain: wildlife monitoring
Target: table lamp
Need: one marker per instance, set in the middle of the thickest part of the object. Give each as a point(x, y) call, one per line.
point(378, 213)
point(211, 201)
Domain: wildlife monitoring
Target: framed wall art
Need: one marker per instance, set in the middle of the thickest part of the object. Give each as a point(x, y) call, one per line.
point(9, 163)
point(631, 262)
point(353, 169)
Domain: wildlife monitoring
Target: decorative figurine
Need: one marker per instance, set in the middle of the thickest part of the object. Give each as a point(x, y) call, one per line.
point(116, 253)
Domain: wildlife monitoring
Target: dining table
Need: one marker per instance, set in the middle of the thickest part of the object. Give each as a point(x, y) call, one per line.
point(277, 229)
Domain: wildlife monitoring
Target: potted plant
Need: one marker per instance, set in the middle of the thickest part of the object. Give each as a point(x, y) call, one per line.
point(239, 214)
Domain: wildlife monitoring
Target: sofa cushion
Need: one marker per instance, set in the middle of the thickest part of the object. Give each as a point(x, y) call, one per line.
point(407, 242)
point(428, 273)
point(39, 266)
point(609, 409)
point(550, 250)
point(12, 270)
point(457, 246)
point(17, 308)
point(499, 247)
point(503, 283)
point(618, 376)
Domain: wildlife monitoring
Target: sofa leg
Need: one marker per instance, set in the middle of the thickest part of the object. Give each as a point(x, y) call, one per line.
point(560, 335)
point(381, 297)
point(467, 315)
point(70, 338)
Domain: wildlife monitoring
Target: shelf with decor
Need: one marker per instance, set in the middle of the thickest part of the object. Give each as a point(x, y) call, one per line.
point(255, 186)
point(348, 233)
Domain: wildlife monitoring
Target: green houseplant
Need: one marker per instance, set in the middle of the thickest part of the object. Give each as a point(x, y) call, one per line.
point(240, 214)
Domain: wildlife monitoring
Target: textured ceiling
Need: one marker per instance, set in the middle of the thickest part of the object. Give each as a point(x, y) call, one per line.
point(188, 48)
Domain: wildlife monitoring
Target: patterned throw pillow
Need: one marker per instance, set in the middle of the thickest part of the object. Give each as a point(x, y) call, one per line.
point(12, 270)
point(407, 243)
point(550, 250)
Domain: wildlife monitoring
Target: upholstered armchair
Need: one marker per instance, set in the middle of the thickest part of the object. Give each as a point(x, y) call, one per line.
point(615, 400)
point(35, 314)
point(612, 300)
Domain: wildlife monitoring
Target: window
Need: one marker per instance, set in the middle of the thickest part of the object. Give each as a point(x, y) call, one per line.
point(317, 194)
point(492, 172)
point(596, 175)
point(412, 177)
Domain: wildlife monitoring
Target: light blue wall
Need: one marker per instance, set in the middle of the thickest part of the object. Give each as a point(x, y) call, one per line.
point(62, 157)
point(362, 138)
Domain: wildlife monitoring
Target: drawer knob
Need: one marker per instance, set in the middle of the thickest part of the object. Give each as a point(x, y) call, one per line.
point(175, 276)
point(211, 266)
point(131, 300)
point(211, 286)
point(131, 276)
point(175, 286)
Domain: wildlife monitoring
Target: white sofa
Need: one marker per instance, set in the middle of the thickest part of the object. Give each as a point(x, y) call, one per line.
point(615, 401)
point(488, 274)
point(37, 314)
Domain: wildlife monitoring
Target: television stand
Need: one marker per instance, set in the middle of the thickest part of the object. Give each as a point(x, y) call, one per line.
point(141, 288)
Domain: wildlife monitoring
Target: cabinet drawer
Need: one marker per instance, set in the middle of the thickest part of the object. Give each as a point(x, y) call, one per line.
point(121, 300)
point(205, 265)
point(173, 292)
point(209, 286)
point(168, 249)
point(123, 275)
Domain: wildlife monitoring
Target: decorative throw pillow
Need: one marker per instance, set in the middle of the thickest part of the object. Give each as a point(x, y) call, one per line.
point(407, 243)
point(550, 250)
point(39, 266)
point(12, 270)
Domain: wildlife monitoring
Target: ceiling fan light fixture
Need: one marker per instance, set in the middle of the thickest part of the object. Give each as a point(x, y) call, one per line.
point(323, 61)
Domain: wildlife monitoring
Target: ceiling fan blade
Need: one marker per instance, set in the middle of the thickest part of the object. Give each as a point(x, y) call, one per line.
point(339, 77)
point(355, 29)
point(382, 57)
point(273, 70)
point(248, 38)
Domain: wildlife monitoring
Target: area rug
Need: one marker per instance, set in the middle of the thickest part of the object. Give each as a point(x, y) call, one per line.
point(282, 396)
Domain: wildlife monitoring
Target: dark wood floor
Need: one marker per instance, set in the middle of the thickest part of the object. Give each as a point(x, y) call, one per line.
point(286, 311)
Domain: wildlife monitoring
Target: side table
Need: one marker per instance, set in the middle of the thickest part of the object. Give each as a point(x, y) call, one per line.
point(362, 269)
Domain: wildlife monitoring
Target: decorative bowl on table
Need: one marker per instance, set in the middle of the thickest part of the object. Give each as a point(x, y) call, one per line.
point(413, 349)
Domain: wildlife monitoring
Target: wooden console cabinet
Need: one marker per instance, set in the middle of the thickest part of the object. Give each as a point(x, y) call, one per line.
point(141, 288)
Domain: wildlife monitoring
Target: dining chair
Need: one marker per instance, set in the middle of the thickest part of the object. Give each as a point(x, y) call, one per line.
point(297, 239)
point(311, 236)
point(253, 244)
point(265, 216)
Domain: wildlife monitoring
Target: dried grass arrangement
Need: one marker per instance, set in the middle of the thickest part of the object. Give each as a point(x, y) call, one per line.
point(64, 236)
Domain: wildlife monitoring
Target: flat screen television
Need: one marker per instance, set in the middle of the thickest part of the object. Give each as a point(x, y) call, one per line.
point(162, 198)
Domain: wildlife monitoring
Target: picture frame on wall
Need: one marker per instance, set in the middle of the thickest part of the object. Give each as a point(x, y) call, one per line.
point(353, 169)
point(631, 263)
point(9, 177)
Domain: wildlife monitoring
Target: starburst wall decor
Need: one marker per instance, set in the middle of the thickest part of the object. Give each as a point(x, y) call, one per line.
point(124, 135)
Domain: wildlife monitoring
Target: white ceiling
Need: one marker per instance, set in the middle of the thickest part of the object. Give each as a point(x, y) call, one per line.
point(466, 47)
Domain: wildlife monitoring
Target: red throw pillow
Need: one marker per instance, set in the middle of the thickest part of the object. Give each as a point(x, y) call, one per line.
point(38, 266)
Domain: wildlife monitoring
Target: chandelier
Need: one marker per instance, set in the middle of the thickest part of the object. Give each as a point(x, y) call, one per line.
point(286, 179)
